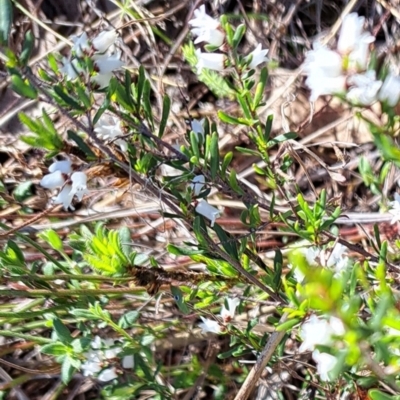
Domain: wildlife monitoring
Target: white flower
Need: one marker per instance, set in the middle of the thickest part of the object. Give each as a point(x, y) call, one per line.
point(316, 331)
point(102, 80)
point(390, 90)
point(395, 208)
point(325, 363)
point(81, 44)
point(128, 362)
point(209, 325)
point(64, 166)
point(108, 127)
point(207, 211)
point(324, 72)
point(358, 58)
point(107, 375)
point(336, 258)
point(56, 177)
point(197, 127)
point(313, 332)
point(79, 185)
point(206, 28)
point(311, 254)
point(350, 32)
point(364, 88)
point(258, 56)
point(105, 64)
point(228, 313)
point(65, 198)
point(71, 69)
point(104, 40)
point(324, 61)
point(197, 184)
point(212, 61)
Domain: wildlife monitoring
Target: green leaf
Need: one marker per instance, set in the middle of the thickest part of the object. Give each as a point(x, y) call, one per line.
point(233, 183)
point(225, 163)
point(17, 251)
point(67, 370)
point(27, 48)
point(224, 117)
point(70, 101)
point(81, 144)
point(128, 319)
point(55, 349)
point(229, 244)
point(214, 155)
point(178, 296)
point(23, 88)
point(282, 138)
point(6, 18)
point(62, 331)
point(165, 114)
point(23, 191)
point(260, 89)
point(147, 103)
point(237, 37)
point(376, 394)
point(268, 127)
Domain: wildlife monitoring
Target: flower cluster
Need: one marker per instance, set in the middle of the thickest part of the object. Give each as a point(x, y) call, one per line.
point(96, 358)
point(101, 50)
point(71, 183)
point(227, 313)
point(316, 331)
point(209, 30)
point(344, 70)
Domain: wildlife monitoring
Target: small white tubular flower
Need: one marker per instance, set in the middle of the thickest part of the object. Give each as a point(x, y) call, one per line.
point(227, 314)
point(313, 332)
point(53, 180)
point(209, 325)
point(337, 326)
point(81, 44)
point(197, 184)
point(316, 331)
point(128, 362)
point(311, 254)
point(325, 364)
point(107, 375)
point(102, 80)
point(106, 64)
point(350, 32)
point(258, 56)
point(64, 166)
point(207, 211)
point(206, 28)
point(336, 259)
point(108, 127)
point(71, 69)
point(79, 185)
point(104, 40)
point(212, 61)
point(65, 198)
point(395, 208)
point(56, 179)
point(364, 88)
point(390, 90)
point(358, 58)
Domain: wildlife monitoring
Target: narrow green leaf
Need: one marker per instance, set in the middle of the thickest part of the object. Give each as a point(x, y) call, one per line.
point(237, 37)
point(6, 18)
point(165, 114)
point(214, 155)
point(27, 48)
point(23, 88)
point(228, 118)
point(228, 244)
point(81, 144)
point(260, 88)
point(68, 99)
